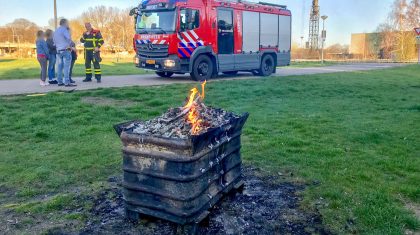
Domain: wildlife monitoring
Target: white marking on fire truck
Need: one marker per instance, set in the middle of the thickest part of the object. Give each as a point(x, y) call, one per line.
point(143, 41)
point(182, 40)
point(188, 36)
point(194, 34)
point(162, 42)
point(199, 42)
point(155, 42)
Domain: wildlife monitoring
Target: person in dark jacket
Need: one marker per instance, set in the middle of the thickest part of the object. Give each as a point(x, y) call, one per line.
point(51, 56)
point(42, 55)
point(93, 41)
point(73, 60)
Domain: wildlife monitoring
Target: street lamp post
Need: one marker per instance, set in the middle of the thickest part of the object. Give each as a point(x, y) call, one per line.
point(323, 37)
point(301, 42)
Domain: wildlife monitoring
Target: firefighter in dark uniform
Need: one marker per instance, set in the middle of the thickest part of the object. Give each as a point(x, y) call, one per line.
point(93, 41)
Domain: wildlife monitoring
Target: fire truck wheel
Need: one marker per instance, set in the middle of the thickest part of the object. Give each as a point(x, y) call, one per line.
point(165, 74)
point(231, 73)
point(267, 66)
point(202, 68)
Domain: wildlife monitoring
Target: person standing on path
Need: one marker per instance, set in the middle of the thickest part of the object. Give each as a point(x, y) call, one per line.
point(93, 41)
point(42, 55)
point(62, 40)
point(73, 60)
point(51, 56)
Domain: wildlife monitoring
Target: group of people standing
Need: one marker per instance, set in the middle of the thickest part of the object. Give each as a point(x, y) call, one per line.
point(57, 53)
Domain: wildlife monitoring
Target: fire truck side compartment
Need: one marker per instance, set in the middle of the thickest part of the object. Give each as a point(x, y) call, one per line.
point(269, 30)
point(258, 33)
point(285, 41)
point(251, 32)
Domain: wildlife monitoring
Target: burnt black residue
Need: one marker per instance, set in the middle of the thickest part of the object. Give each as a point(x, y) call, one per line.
point(263, 207)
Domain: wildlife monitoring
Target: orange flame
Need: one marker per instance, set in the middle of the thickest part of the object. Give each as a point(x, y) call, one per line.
point(193, 115)
point(203, 93)
point(194, 91)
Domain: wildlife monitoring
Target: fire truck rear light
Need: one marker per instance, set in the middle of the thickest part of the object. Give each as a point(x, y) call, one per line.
point(169, 63)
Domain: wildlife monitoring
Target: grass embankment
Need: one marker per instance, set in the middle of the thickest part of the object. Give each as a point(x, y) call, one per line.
point(305, 64)
point(29, 68)
point(353, 137)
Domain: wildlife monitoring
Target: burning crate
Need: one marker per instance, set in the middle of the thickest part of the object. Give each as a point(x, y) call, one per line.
point(177, 166)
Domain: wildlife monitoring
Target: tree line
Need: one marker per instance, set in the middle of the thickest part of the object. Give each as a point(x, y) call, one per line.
point(116, 25)
point(395, 35)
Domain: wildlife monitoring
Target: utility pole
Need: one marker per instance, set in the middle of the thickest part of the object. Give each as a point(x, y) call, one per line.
point(55, 14)
point(418, 41)
point(401, 20)
point(323, 37)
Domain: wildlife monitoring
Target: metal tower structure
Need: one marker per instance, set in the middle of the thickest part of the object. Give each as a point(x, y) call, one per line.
point(313, 39)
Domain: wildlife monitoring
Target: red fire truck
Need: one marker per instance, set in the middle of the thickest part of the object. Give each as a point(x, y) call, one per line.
point(207, 37)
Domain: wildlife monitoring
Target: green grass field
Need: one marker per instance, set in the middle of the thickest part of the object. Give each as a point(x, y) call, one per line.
point(29, 68)
point(356, 135)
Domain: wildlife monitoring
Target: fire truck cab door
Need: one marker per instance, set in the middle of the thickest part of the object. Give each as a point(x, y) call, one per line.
point(225, 39)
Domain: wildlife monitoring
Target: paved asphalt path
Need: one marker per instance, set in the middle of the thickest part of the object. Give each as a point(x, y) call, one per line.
point(31, 86)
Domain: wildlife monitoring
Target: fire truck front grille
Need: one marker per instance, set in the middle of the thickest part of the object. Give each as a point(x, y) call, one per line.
point(153, 50)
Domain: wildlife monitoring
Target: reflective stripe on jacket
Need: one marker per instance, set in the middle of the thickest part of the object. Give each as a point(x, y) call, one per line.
point(92, 40)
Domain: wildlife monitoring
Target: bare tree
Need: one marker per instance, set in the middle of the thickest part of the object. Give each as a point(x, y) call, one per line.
point(397, 33)
point(23, 31)
point(6, 34)
point(51, 23)
point(77, 28)
point(114, 23)
point(338, 48)
point(413, 14)
point(387, 40)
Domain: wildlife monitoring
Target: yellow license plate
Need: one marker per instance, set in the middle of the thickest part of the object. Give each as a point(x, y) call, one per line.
point(150, 61)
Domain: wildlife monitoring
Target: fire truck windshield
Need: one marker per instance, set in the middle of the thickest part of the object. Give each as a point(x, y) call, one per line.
point(156, 22)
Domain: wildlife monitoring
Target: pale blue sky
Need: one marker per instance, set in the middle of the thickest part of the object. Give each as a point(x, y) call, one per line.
point(345, 16)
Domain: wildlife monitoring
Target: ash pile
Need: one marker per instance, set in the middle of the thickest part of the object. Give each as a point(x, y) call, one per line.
point(174, 123)
point(194, 118)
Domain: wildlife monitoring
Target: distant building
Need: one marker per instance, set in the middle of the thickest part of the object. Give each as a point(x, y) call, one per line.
point(394, 45)
point(21, 49)
point(365, 45)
